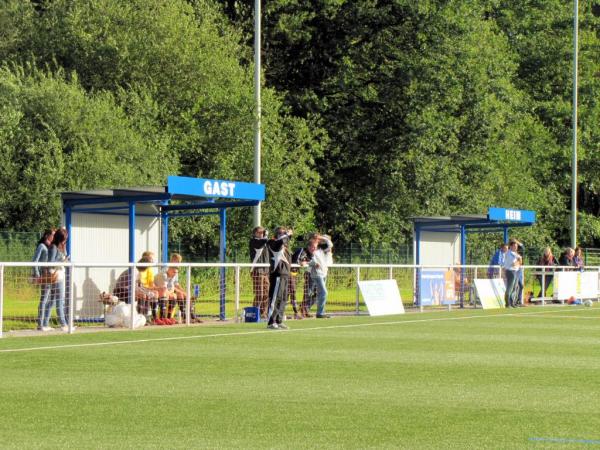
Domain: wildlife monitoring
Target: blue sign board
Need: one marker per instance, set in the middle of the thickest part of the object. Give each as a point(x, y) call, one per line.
point(201, 187)
point(511, 215)
point(436, 287)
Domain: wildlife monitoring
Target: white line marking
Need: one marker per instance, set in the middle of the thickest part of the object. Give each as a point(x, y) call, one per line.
point(564, 317)
point(296, 330)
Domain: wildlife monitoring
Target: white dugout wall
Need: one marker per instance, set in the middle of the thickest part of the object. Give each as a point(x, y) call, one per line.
point(439, 249)
point(101, 239)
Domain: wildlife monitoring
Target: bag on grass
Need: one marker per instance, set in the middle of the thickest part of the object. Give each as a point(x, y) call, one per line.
point(49, 277)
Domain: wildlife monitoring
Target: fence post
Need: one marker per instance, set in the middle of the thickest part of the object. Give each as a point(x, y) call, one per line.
point(357, 291)
point(188, 296)
point(71, 300)
point(132, 299)
point(237, 294)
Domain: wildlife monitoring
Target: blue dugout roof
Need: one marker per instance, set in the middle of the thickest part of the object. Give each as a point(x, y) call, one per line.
point(181, 196)
point(496, 219)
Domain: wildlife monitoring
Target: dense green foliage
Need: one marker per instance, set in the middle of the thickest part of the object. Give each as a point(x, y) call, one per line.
point(439, 107)
point(110, 93)
point(373, 111)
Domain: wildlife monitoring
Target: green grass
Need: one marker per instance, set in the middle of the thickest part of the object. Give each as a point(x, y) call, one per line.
point(460, 379)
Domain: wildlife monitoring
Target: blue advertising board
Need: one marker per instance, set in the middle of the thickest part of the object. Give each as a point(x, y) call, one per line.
point(202, 187)
point(512, 215)
point(436, 287)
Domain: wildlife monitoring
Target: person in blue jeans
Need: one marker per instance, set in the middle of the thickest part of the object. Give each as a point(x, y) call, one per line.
point(512, 266)
point(40, 276)
point(58, 253)
point(321, 248)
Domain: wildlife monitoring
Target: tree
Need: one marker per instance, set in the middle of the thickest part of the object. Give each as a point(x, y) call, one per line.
point(424, 106)
point(541, 34)
point(55, 137)
point(184, 59)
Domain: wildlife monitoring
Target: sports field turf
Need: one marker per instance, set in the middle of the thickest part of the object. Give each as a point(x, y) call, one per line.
point(524, 378)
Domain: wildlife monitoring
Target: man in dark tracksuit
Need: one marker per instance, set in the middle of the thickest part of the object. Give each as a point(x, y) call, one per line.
point(280, 266)
point(259, 254)
point(300, 257)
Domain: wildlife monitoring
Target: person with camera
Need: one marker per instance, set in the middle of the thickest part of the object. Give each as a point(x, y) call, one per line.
point(321, 249)
point(300, 258)
point(259, 254)
point(280, 267)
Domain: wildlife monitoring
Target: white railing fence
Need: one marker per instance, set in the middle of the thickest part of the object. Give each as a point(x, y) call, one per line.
point(220, 291)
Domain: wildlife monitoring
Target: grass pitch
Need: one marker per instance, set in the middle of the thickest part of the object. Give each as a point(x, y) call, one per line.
point(524, 378)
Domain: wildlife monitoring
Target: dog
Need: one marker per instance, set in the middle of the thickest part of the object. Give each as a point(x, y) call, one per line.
point(108, 299)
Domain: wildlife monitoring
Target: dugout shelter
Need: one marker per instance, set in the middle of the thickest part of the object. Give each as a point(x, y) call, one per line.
point(118, 225)
point(442, 240)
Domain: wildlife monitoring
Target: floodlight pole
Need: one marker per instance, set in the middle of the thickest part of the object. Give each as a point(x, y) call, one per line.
point(258, 114)
point(574, 152)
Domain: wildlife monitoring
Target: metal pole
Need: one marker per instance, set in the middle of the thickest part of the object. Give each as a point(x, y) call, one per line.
point(71, 299)
point(188, 295)
point(258, 116)
point(237, 294)
point(357, 291)
point(132, 269)
point(574, 153)
point(165, 237)
point(222, 270)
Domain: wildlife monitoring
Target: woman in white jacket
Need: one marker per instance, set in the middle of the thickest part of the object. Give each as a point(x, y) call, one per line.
point(321, 249)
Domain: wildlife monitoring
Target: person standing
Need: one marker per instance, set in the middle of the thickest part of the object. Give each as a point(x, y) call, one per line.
point(41, 276)
point(512, 264)
point(300, 258)
point(547, 259)
point(497, 260)
point(58, 253)
point(578, 258)
point(279, 275)
point(319, 267)
point(259, 254)
point(518, 301)
point(309, 292)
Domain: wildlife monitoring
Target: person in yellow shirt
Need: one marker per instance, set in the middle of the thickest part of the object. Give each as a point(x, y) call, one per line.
point(146, 285)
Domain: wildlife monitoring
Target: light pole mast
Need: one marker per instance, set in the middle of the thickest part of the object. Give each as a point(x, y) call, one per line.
point(257, 101)
point(574, 152)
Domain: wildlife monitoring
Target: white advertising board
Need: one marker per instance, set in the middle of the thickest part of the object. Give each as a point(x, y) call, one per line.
point(382, 297)
point(575, 284)
point(491, 292)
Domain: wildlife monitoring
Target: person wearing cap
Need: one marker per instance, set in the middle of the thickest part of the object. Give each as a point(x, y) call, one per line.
point(512, 265)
